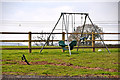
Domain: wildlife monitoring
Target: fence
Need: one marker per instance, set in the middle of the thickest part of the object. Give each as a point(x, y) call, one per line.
point(63, 38)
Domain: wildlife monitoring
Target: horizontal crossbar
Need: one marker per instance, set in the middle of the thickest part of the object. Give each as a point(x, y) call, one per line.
point(76, 13)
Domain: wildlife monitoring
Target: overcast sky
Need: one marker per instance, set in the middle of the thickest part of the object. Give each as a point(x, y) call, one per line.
point(50, 11)
point(47, 11)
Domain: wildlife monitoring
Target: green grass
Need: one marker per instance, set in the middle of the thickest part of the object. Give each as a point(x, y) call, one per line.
point(87, 58)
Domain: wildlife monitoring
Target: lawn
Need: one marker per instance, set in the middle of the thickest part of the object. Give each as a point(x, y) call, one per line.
point(56, 63)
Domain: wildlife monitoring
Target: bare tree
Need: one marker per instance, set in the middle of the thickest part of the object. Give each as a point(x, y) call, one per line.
point(87, 29)
point(42, 37)
point(39, 37)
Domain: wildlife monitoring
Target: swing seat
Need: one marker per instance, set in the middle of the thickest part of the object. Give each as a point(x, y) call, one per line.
point(61, 43)
point(72, 44)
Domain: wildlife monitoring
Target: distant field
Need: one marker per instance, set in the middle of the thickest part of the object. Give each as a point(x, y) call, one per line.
point(56, 63)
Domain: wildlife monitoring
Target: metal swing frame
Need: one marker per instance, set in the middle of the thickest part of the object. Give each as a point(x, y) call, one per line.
point(66, 24)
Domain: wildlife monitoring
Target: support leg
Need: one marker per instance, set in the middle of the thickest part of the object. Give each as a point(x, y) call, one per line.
point(99, 34)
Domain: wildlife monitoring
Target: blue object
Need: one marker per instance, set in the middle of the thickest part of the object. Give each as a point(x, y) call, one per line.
point(82, 39)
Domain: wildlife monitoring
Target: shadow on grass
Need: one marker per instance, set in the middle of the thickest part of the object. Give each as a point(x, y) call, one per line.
point(75, 53)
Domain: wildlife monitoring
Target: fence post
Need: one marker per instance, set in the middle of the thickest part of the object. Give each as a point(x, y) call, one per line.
point(29, 42)
point(93, 41)
point(63, 36)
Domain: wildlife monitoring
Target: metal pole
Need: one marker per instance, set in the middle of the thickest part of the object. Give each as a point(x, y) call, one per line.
point(77, 13)
point(82, 30)
point(51, 32)
point(84, 25)
point(74, 21)
point(98, 34)
point(62, 25)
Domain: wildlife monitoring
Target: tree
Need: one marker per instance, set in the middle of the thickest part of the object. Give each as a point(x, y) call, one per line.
point(87, 29)
point(42, 37)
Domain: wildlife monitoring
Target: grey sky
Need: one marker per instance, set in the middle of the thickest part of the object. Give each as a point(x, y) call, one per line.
point(47, 11)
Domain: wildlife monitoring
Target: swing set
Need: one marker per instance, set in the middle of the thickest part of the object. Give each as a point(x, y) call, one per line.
point(66, 18)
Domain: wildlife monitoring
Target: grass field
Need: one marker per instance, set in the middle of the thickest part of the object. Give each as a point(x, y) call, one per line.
point(56, 63)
